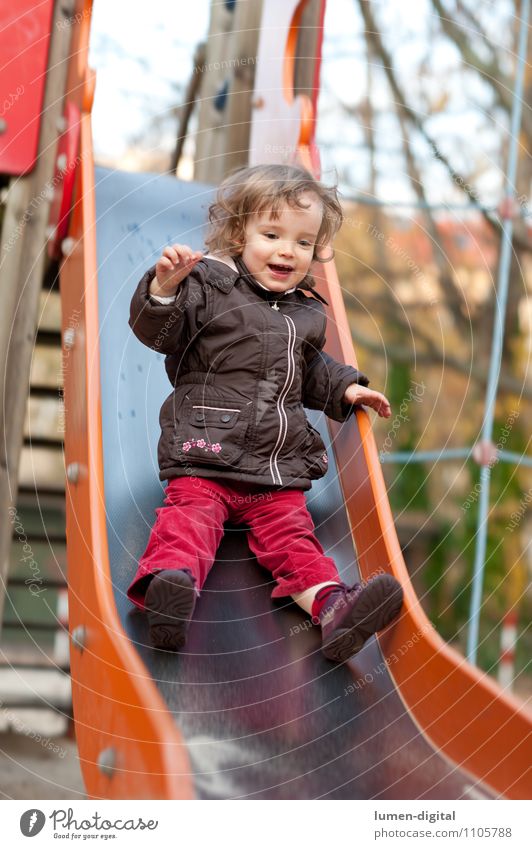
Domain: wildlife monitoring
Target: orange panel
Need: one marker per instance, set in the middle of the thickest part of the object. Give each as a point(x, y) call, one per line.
point(117, 706)
point(129, 745)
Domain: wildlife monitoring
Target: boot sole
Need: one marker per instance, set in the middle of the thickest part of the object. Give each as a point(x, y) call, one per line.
point(169, 604)
point(378, 604)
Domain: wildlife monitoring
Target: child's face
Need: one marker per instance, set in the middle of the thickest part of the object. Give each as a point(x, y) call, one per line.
point(278, 252)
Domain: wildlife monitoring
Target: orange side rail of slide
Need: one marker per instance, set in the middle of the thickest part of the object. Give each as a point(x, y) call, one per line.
point(130, 746)
point(459, 708)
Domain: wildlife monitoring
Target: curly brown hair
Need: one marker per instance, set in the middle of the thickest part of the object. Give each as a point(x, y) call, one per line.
point(250, 191)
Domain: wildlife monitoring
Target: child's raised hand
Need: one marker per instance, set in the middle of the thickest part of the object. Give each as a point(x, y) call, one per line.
point(355, 394)
point(171, 269)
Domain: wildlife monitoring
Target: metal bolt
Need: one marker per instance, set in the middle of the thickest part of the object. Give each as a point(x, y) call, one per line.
point(50, 232)
point(61, 124)
point(72, 472)
point(3, 125)
point(61, 161)
point(68, 338)
point(79, 637)
point(107, 761)
point(67, 245)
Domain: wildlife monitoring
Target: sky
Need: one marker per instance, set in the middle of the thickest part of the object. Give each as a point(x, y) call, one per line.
point(143, 51)
point(139, 50)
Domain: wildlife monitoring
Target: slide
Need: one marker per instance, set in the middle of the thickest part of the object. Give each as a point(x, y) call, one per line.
point(250, 708)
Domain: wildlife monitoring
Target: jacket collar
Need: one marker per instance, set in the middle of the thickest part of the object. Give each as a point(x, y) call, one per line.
point(246, 275)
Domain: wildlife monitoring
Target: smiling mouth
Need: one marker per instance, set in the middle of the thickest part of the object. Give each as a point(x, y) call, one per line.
point(280, 269)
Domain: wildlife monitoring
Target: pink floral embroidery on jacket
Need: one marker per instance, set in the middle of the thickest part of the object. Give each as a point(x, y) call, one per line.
point(215, 447)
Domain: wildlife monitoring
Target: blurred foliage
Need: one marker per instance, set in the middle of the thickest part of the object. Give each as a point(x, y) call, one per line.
point(409, 490)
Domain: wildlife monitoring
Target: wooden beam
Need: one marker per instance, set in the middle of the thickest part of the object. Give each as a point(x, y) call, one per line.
point(222, 141)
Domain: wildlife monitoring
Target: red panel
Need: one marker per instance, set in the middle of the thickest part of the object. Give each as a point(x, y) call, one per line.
point(24, 41)
point(66, 163)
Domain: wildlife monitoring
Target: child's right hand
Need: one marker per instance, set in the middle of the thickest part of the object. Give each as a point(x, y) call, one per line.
point(171, 269)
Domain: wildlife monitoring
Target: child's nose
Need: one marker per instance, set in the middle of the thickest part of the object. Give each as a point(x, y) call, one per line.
point(286, 248)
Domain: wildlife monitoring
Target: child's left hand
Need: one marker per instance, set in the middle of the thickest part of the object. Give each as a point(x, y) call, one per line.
point(355, 394)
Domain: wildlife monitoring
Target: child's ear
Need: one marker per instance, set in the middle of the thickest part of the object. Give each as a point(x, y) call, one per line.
point(320, 254)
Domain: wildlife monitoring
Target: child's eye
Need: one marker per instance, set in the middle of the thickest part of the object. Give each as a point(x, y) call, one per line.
point(305, 244)
point(271, 235)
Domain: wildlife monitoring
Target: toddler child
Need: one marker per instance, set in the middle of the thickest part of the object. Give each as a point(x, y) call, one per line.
point(243, 331)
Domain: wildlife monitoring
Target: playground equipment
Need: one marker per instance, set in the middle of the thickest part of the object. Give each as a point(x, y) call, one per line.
point(250, 708)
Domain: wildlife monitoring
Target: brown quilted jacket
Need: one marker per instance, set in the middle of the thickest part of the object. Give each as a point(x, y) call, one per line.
point(244, 363)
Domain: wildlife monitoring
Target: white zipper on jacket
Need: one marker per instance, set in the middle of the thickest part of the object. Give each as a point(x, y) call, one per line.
point(283, 421)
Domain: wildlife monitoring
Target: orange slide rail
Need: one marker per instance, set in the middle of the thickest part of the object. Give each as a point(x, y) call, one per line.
point(129, 745)
point(461, 710)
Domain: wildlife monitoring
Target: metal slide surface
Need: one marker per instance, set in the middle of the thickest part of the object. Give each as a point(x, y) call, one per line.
point(263, 714)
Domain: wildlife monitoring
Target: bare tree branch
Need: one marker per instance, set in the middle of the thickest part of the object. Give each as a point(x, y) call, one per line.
point(469, 16)
point(191, 95)
point(491, 71)
point(508, 385)
point(453, 295)
point(373, 34)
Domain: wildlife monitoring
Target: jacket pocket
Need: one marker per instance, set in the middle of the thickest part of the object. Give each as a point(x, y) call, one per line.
point(211, 433)
point(316, 459)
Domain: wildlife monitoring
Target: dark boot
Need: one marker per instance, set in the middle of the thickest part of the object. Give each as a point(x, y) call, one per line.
point(350, 616)
point(170, 600)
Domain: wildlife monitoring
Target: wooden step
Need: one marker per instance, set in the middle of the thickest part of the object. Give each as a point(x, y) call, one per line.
point(43, 688)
